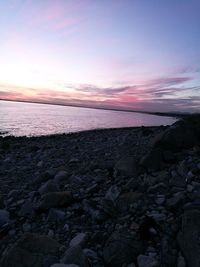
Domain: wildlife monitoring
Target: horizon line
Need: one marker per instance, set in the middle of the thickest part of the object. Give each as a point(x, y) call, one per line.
point(169, 113)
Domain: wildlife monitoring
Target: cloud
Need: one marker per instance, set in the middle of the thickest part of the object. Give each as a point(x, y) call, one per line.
point(163, 94)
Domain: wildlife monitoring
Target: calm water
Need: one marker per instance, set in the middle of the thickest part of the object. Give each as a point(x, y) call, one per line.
point(29, 119)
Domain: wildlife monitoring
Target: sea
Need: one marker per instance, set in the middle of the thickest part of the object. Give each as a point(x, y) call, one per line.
point(30, 119)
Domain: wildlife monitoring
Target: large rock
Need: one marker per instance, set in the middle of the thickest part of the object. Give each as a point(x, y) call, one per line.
point(127, 166)
point(32, 250)
point(177, 137)
point(188, 237)
point(121, 249)
point(55, 200)
point(152, 161)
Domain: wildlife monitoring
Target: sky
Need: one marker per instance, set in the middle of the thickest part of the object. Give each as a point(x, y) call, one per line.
point(124, 54)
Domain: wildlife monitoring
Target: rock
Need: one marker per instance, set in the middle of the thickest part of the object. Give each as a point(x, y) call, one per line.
point(113, 193)
point(91, 209)
point(55, 200)
point(40, 164)
point(64, 265)
point(181, 262)
point(56, 215)
point(153, 160)
point(75, 255)
point(176, 201)
point(121, 248)
point(127, 166)
point(4, 217)
point(26, 209)
point(61, 176)
point(48, 187)
point(176, 137)
point(31, 250)
point(26, 227)
point(188, 237)
point(131, 265)
point(147, 261)
point(79, 240)
point(158, 188)
point(90, 253)
point(132, 184)
point(160, 199)
point(126, 199)
point(14, 194)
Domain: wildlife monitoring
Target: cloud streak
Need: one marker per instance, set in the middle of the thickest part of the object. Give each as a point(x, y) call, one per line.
point(166, 94)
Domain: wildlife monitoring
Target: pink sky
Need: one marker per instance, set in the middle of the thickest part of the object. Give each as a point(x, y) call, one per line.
point(112, 54)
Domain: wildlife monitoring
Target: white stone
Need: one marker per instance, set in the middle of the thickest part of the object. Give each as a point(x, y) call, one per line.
point(79, 239)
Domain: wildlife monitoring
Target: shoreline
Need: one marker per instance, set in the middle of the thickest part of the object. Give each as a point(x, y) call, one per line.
point(82, 132)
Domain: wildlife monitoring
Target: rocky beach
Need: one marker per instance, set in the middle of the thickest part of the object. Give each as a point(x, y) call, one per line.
point(125, 197)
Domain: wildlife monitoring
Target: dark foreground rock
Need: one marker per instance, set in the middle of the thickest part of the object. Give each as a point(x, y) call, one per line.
point(121, 197)
point(32, 250)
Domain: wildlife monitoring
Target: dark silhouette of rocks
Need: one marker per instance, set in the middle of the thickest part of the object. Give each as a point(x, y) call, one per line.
point(119, 197)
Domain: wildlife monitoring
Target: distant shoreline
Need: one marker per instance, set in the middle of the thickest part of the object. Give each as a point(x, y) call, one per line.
point(165, 114)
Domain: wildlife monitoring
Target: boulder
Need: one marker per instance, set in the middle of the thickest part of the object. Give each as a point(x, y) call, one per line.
point(177, 137)
point(55, 200)
point(32, 250)
point(153, 161)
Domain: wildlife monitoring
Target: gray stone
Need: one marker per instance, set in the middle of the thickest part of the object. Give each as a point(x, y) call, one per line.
point(61, 176)
point(49, 186)
point(75, 255)
point(181, 262)
point(147, 261)
point(79, 239)
point(113, 193)
point(56, 215)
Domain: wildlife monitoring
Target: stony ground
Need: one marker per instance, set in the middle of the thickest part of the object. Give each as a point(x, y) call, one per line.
point(119, 197)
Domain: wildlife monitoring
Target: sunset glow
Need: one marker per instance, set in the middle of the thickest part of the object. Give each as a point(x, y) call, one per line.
point(109, 54)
